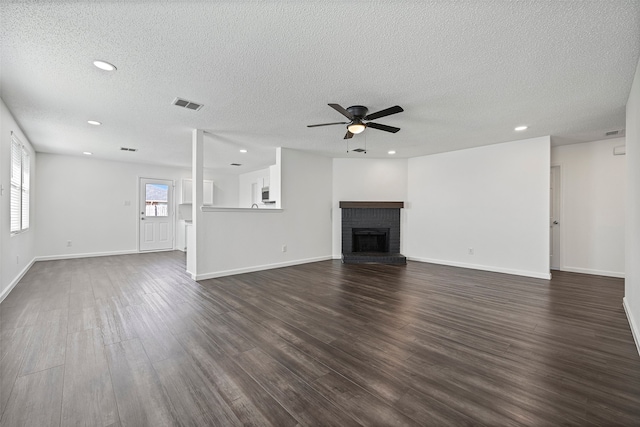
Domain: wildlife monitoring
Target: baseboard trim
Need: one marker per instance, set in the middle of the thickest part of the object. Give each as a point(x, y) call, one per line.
point(16, 280)
point(534, 274)
point(85, 255)
point(593, 272)
point(216, 274)
point(635, 331)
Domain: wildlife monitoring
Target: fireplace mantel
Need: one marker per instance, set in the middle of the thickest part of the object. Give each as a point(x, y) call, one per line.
point(371, 205)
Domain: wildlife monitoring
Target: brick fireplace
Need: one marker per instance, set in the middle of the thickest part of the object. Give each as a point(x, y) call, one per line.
point(371, 232)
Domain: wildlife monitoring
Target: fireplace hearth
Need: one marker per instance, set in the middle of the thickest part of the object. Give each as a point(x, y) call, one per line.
point(371, 233)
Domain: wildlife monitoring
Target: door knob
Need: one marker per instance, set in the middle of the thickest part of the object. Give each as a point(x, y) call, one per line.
point(555, 222)
point(141, 219)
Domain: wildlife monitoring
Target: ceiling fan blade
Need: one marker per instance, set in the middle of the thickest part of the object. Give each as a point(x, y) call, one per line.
point(342, 111)
point(386, 112)
point(383, 127)
point(327, 124)
point(348, 135)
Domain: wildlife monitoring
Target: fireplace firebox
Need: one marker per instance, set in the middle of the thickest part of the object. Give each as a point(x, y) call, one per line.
point(370, 239)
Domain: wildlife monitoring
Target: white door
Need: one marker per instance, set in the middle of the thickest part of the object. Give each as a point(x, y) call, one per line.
point(554, 218)
point(156, 214)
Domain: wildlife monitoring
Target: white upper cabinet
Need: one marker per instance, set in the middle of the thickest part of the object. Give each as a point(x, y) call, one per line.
point(187, 191)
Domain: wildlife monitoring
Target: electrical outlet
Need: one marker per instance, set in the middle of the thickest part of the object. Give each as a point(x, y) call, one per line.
point(68, 243)
point(284, 248)
point(470, 251)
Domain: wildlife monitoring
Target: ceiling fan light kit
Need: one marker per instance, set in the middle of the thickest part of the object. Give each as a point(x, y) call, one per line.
point(358, 114)
point(356, 128)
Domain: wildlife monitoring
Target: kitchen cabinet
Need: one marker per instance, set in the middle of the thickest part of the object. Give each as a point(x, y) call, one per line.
point(187, 191)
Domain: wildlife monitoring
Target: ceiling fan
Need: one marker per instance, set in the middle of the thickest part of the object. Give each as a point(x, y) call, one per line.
point(357, 114)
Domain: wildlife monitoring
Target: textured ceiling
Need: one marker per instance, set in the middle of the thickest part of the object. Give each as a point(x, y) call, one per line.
point(466, 73)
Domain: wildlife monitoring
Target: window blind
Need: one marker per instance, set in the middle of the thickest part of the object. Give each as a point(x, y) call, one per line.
point(20, 181)
point(16, 184)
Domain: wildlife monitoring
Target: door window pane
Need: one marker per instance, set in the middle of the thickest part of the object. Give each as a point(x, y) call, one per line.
point(157, 199)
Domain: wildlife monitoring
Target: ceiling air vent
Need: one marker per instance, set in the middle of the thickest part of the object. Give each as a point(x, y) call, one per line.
point(619, 132)
point(236, 164)
point(187, 104)
point(128, 149)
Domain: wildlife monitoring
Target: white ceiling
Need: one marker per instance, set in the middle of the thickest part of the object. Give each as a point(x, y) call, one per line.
point(466, 73)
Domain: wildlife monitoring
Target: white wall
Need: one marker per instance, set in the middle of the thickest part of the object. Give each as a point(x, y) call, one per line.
point(18, 251)
point(382, 180)
point(275, 185)
point(494, 199)
point(238, 241)
point(593, 183)
point(632, 270)
point(83, 200)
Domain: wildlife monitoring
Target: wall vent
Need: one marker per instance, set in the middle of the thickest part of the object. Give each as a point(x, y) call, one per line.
point(187, 104)
point(128, 149)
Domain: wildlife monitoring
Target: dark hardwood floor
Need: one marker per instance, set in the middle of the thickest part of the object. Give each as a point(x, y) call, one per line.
point(133, 341)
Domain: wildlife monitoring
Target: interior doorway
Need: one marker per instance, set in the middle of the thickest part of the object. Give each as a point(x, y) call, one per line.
point(156, 214)
point(554, 218)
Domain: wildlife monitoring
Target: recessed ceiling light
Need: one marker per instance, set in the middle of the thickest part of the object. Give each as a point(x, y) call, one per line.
point(519, 128)
point(391, 152)
point(94, 122)
point(87, 153)
point(243, 151)
point(103, 65)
